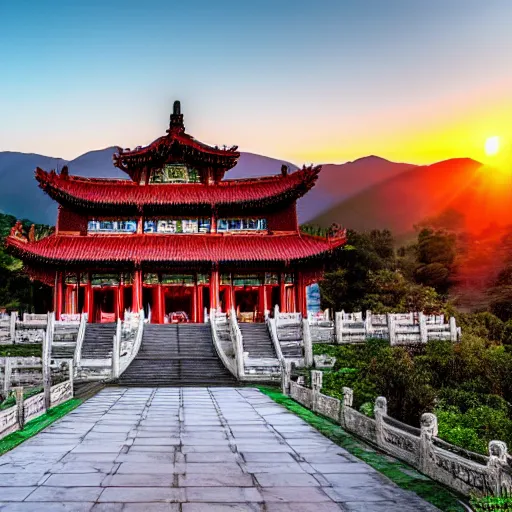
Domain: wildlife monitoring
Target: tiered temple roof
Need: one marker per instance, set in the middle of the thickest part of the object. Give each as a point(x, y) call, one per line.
point(127, 197)
point(155, 248)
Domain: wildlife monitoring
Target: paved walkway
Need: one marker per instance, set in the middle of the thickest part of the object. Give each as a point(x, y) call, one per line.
point(189, 450)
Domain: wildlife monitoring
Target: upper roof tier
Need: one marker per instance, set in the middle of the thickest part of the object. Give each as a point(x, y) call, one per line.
point(177, 147)
point(125, 197)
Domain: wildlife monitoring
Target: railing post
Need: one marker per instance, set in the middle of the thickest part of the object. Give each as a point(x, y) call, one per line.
point(7, 375)
point(380, 410)
point(308, 344)
point(428, 431)
point(316, 386)
point(71, 375)
point(422, 320)
point(20, 410)
point(368, 328)
point(496, 465)
point(12, 326)
point(46, 355)
point(115, 356)
point(348, 399)
point(285, 378)
point(453, 329)
point(338, 327)
point(391, 328)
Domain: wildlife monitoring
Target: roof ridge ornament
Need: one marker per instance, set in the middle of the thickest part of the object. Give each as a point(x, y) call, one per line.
point(176, 119)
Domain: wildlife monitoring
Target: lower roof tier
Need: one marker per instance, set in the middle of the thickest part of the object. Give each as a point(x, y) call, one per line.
point(137, 249)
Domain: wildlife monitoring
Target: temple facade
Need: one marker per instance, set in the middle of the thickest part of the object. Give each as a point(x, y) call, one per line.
point(176, 238)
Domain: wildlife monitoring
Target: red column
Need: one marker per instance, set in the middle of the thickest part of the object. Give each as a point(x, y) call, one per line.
point(58, 310)
point(159, 306)
point(137, 291)
point(120, 300)
point(301, 295)
point(199, 303)
point(214, 289)
point(88, 298)
point(282, 294)
point(77, 291)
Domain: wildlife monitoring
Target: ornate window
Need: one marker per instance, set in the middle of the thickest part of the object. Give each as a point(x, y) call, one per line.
point(174, 173)
point(105, 279)
point(112, 226)
point(180, 226)
point(240, 224)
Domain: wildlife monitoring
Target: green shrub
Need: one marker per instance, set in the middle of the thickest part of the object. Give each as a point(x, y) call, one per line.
point(492, 503)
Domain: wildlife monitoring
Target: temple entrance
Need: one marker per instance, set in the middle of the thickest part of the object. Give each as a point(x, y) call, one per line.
point(178, 304)
point(105, 305)
point(147, 301)
point(247, 304)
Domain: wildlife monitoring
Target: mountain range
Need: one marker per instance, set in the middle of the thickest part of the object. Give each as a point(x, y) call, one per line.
point(368, 193)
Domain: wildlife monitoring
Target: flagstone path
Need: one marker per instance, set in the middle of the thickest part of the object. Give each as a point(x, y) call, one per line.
point(190, 450)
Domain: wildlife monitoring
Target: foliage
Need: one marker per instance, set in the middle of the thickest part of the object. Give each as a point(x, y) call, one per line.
point(492, 503)
point(468, 384)
point(403, 475)
point(21, 350)
point(17, 292)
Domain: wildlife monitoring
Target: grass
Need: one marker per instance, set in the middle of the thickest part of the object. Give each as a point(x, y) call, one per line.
point(36, 425)
point(401, 474)
point(21, 350)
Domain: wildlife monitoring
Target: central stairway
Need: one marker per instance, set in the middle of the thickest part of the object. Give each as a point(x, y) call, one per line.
point(256, 340)
point(98, 341)
point(177, 355)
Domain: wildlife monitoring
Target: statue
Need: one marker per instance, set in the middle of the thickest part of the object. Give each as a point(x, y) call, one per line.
point(32, 233)
point(64, 172)
point(176, 108)
point(17, 231)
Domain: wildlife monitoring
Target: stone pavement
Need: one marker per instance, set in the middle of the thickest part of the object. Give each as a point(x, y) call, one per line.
point(190, 450)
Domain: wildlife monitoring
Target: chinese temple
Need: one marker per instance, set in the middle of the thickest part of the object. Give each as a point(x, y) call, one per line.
point(176, 238)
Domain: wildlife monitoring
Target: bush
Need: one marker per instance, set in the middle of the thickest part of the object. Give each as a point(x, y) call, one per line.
point(492, 503)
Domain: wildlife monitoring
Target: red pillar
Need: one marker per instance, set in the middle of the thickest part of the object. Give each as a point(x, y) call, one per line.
point(137, 291)
point(214, 289)
point(301, 295)
point(199, 303)
point(120, 300)
point(158, 302)
point(194, 304)
point(77, 291)
point(88, 298)
point(58, 310)
point(282, 294)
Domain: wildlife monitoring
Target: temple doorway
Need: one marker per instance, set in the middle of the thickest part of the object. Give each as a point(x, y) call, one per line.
point(247, 304)
point(178, 304)
point(105, 305)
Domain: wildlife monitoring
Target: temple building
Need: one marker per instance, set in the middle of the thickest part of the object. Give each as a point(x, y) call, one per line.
point(176, 238)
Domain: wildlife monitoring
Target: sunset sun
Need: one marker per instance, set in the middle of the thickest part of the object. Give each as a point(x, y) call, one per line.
point(492, 146)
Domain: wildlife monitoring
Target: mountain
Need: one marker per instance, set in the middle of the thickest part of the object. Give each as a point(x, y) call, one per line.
point(476, 192)
point(338, 182)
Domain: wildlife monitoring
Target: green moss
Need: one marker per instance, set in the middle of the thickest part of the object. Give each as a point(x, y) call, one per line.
point(21, 350)
point(36, 425)
point(401, 474)
point(494, 503)
point(11, 400)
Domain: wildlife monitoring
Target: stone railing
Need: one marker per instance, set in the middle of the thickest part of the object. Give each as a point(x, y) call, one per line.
point(398, 329)
point(80, 340)
point(14, 418)
point(222, 341)
point(289, 329)
point(20, 371)
point(272, 329)
point(236, 337)
point(463, 471)
point(131, 339)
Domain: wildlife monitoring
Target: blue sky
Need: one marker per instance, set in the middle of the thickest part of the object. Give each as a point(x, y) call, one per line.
point(306, 81)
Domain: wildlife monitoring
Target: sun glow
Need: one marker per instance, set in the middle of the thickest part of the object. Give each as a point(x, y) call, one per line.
point(492, 146)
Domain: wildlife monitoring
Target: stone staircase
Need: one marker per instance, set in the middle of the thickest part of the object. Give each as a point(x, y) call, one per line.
point(98, 341)
point(256, 340)
point(64, 341)
point(261, 362)
point(177, 355)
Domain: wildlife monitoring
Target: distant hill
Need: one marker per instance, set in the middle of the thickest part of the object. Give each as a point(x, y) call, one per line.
point(338, 182)
point(406, 199)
